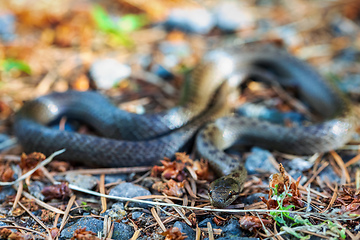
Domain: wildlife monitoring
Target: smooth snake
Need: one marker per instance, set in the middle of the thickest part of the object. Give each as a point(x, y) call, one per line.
point(129, 139)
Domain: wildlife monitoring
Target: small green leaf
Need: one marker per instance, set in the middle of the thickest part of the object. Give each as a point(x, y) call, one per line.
point(103, 20)
point(131, 22)
point(8, 64)
point(288, 207)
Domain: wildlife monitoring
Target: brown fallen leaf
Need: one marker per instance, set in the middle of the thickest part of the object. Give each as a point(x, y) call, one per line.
point(281, 182)
point(252, 222)
point(6, 173)
point(170, 188)
point(59, 191)
point(82, 234)
point(173, 234)
point(30, 161)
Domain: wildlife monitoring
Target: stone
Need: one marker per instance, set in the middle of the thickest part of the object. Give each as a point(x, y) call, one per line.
point(108, 72)
point(258, 161)
point(121, 230)
point(186, 229)
point(129, 190)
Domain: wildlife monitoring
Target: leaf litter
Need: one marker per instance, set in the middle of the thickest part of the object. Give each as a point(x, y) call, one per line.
point(62, 42)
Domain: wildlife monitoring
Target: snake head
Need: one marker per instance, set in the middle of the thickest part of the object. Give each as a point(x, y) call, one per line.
point(224, 191)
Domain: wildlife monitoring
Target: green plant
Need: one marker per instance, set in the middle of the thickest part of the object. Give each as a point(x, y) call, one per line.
point(9, 64)
point(118, 30)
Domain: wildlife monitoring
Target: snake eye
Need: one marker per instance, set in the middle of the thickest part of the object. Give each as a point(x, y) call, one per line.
point(232, 193)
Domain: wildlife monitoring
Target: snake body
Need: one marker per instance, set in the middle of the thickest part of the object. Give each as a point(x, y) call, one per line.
point(134, 140)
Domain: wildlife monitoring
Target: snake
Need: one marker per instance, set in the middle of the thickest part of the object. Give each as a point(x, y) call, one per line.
point(203, 121)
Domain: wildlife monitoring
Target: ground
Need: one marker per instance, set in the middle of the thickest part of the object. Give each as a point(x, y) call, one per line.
point(138, 53)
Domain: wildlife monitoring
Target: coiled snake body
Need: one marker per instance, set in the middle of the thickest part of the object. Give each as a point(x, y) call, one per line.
point(133, 140)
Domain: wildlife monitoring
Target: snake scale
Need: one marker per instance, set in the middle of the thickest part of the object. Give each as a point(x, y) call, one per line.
point(129, 139)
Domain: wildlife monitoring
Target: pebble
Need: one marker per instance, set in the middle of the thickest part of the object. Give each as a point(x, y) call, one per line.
point(203, 223)
point(108, 72)
point(136, 215)
point(7, 26)
point(298, 164)
point(121, 230)
point(231, 229)
point(270, 115)
point(230, 16)
point(174, 52)
point(194, 20)
point(80, 180)
point(6, 142)
point(253, 198)
point(116, 211)
point(130, 190)
point(35, 189)
point(258, 161)
point(351, 85)
point(162, 72)
point(185, 229)
point(5, 192)
point(111, 178)
point(328, 174)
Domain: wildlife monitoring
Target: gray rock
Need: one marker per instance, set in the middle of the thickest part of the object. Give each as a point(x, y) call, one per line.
point(329, 174)
point(130, 190)
point(116, 211)
point(173, 53)
point(269, 114)
point(108, 72)
point(232, 229)
point(230, 16)
point(299, 164)
point(5, 192)
point(83, 181)
point(258, 161)
point(35, 189)
point(136, 215)
point(196, 20)
point(111, 178)
point(204, 222)
point(253, 198)
point(6, 142)
point(121, 230)
point(186, 229)
point(7, 26)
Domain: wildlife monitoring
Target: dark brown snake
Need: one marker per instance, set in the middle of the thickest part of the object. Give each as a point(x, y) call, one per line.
point(134, 140)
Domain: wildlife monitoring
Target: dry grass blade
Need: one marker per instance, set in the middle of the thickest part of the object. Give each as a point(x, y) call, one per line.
point(29, 173)
point(315, 174)
point(41, 203)
point(18, 195)
point(198, 233)
point(210, 231)
point(37, 220)
point(66, 214)
point(333, 199)
point(158, 220)
point(136, 234)
point(341, 164)
point(353, 161)
point(178, 210)
point(102, 191)
point(48, 175)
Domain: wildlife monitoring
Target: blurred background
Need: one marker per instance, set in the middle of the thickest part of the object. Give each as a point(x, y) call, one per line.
point(131, 48)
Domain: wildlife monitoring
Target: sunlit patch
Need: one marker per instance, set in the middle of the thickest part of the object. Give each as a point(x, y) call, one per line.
point(224, 61)
point(53, 108)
